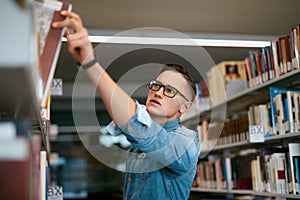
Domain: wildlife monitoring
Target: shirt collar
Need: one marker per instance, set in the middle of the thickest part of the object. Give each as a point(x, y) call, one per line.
point(171, 125)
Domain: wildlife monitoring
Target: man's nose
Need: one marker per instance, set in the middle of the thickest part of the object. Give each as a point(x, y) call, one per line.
point(160, 92)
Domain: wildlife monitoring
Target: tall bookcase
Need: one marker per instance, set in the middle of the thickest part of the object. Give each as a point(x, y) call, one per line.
point(226, 168)
point(23, 130)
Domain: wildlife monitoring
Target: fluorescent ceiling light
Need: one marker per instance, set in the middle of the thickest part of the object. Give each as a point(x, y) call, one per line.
point(177, 41)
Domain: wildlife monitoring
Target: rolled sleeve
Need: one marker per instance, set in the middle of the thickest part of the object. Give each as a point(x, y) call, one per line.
point(141, 115)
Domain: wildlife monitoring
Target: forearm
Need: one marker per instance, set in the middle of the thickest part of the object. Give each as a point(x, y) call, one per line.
point(120, 106)
point(118, 103)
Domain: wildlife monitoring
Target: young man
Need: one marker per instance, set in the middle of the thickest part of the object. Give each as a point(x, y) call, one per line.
point(162, 162)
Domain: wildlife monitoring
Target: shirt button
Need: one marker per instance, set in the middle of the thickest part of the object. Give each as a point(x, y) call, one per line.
point(129, 127)
point(129, 179)
point(142, 155)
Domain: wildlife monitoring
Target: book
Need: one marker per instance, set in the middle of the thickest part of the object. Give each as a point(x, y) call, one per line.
point(15, 169)
point(227, 77)
point(43, 175)
point(267, 63)
point(280, 169)
point(249, 73)
point(296, 46)
point(285, 54)
point(228, 173)
point(294, 151)
point(241, 176)
point(50, 40)
point(294, 35)
point(15, 162)
point(281, 118)
point(255, 168)
point(36, 148)
point(257, 77)
point(275, 57)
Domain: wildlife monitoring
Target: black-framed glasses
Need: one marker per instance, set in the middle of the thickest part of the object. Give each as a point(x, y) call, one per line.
point(168, 90)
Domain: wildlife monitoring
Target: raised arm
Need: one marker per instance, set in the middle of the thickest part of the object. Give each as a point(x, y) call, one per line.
point(114, 98)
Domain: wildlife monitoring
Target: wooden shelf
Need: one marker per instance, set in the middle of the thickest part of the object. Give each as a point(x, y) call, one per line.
point(247, 144)
point(241, 101)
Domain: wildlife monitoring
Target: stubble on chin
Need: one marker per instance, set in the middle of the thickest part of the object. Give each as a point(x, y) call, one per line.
point(156, 112)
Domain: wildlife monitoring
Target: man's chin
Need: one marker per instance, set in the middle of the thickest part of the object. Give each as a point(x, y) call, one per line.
point(154, 112)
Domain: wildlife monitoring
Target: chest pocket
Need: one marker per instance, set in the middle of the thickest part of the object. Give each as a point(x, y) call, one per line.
point(142, 165)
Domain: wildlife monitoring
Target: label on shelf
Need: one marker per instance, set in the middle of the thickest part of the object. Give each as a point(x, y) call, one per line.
point(56, 87)
point(55, 193)
point(256, 134)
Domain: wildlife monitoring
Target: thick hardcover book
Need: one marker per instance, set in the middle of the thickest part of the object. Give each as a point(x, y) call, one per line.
point(50, 40)
point(15, 163)
point(241, 176)
point(16, 173)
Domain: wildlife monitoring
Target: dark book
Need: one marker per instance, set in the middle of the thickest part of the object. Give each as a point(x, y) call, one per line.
point(50, 40)
point(241, 176)
point(15, 168)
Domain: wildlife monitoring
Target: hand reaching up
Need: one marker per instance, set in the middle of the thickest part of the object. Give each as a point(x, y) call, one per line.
point(78, 44)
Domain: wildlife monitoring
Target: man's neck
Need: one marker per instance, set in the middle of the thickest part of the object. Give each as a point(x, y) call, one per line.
point(162, 120)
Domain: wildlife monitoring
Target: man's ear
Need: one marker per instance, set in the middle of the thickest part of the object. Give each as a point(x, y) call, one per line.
point(185, 107)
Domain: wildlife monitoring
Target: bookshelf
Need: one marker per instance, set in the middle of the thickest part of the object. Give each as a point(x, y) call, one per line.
point(18, 63)
point(242, 100)
point(237, 155)
point(25, 146)
point(251, 194)
point(19, 66)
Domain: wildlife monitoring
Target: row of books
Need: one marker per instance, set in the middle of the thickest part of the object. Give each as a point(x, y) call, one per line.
point(270, 62)
point(230, 77)
point(233, 131)
point(225, 173)
point(280, 115)
point(274, 170)
point(277, 170)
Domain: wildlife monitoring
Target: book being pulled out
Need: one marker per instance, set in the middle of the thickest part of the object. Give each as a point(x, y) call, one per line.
point(48, 11)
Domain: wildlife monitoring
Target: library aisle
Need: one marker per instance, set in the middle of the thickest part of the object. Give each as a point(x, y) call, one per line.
point(248, 118)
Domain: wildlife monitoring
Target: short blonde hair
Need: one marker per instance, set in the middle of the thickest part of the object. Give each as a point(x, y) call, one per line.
point(185, 74)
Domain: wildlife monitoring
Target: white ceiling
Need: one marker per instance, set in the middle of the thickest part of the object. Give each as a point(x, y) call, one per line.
point(208, 16)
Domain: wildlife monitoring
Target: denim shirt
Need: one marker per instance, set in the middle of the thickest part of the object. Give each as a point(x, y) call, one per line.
point(163, 158)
